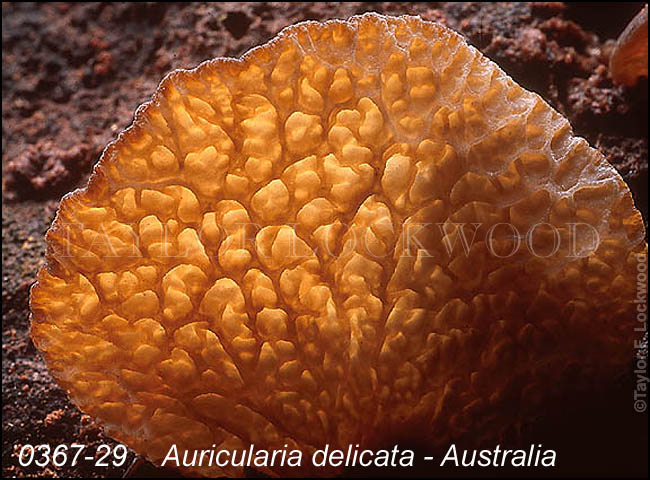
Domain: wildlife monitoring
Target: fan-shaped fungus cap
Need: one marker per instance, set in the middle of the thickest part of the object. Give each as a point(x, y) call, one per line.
point(272, 253)
point(629, 59)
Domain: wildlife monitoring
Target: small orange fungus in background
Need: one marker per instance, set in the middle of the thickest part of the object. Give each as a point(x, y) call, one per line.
point(263, 257)
point(629, 59)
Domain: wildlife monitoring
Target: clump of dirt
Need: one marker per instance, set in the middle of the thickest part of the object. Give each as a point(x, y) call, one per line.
point(45, 171)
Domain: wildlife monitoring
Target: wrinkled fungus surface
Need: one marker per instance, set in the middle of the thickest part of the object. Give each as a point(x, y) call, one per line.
point(263, 257)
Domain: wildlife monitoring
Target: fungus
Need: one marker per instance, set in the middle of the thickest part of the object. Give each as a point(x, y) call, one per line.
point(273, 254)
point(629, 59)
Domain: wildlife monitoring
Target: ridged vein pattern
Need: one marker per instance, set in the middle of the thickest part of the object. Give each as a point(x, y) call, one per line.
point(261, 258)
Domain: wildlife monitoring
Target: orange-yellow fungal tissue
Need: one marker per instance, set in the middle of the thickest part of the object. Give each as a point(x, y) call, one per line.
point(274, 254)
point(629, 58)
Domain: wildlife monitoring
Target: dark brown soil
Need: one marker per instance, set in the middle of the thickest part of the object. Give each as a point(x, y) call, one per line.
point(73, 75)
